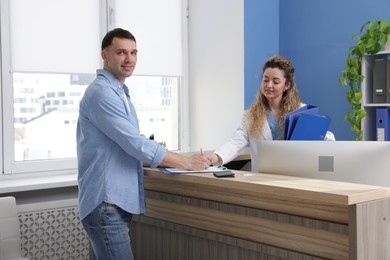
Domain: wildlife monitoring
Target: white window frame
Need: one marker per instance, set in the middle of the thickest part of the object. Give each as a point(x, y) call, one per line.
point(7, 162)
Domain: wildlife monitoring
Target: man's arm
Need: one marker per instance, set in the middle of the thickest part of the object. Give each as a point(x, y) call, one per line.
point(193, 162)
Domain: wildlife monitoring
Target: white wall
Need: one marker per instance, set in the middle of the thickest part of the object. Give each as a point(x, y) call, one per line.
point(216, 71)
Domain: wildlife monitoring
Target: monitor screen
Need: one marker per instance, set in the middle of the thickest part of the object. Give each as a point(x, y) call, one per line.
point(366, 162)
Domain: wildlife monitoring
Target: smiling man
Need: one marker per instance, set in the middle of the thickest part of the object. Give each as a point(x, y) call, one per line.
point(111, 152)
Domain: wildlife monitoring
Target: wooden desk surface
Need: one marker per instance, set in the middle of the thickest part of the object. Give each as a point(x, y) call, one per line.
point(320, 199)
point(307, 217)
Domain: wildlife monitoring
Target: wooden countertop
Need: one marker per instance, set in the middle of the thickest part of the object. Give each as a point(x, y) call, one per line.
point(320, 199)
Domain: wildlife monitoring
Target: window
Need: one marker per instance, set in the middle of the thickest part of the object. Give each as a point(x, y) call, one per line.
point(44, 79)
point(158, 44)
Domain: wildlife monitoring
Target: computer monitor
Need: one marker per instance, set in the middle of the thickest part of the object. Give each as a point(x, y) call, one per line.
point(366, 162)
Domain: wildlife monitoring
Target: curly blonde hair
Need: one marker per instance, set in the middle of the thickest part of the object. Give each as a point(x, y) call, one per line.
point(257, 112)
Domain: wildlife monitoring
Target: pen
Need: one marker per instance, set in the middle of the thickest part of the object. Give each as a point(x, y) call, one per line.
point(201, 151)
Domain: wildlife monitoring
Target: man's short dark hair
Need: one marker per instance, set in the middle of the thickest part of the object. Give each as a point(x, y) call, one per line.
point(118, 33)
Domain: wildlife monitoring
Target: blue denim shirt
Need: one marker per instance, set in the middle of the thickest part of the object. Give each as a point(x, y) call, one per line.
point(110, 149)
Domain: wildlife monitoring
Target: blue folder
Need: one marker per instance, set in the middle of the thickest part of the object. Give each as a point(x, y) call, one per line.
point(383, 124)
point(310, 127)
point(292, 118)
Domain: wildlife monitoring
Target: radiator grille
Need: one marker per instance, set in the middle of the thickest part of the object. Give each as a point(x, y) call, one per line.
point(53, 234)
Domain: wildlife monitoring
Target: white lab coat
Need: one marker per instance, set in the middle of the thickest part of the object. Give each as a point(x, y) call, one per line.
point(240, 139)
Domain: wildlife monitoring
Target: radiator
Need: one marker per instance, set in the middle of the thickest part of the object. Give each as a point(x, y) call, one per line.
point(52, 232)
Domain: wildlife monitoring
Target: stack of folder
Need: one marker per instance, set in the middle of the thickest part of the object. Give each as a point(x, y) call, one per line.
point(306, 123)
point(381, 94)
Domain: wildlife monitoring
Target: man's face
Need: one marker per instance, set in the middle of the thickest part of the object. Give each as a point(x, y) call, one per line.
point(120, 58)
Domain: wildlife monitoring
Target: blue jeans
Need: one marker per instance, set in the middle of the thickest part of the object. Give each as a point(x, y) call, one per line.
point(108, 227)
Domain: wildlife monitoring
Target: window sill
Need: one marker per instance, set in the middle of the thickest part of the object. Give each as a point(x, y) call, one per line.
point(31, 181)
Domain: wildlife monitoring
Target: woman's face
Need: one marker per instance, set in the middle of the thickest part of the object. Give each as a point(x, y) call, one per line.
point(273, 84)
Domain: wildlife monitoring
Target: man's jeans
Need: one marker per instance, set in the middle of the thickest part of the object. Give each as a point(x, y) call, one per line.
point(107, 227)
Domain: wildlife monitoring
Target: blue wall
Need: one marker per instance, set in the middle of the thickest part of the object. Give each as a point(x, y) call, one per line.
point(315, 36)
point(261, 31)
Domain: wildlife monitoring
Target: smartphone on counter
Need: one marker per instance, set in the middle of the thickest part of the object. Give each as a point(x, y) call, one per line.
point(223, 174)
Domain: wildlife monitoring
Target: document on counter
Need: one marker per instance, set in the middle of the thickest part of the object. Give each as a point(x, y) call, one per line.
point(179, 171)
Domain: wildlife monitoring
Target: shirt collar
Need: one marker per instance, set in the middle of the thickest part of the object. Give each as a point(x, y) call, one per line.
point(111, 78)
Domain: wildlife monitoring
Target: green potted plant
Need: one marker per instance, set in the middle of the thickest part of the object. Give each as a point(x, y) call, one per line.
point(370, 41)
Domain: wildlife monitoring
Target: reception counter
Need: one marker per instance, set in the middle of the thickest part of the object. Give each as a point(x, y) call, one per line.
point(260, 216)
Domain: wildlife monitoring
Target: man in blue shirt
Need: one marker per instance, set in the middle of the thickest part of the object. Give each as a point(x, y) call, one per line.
point(111, 152)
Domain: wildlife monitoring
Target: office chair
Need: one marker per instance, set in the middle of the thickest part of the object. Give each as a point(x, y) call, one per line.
point(10, 245)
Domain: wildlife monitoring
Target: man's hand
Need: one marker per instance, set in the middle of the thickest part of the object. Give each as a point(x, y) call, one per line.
point(194, 162)
point(198, 162)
